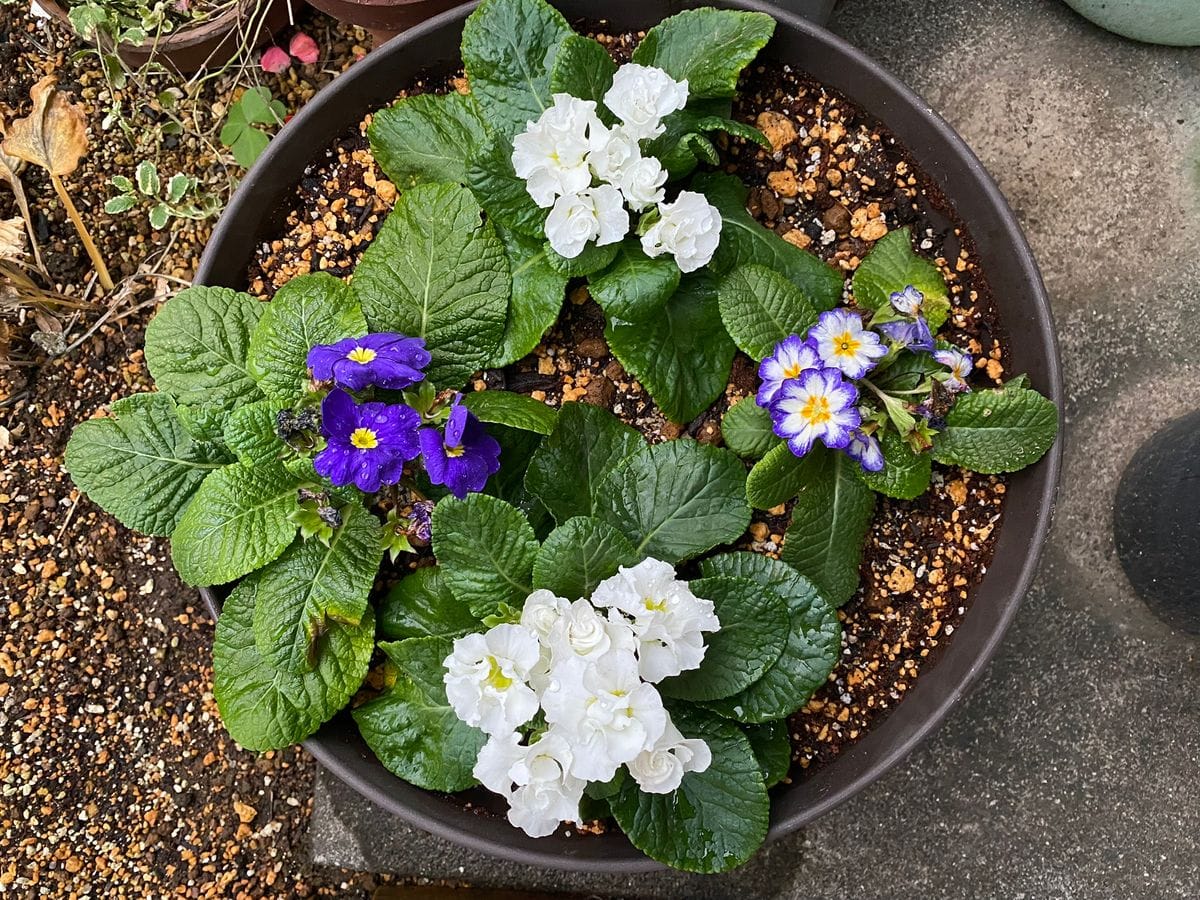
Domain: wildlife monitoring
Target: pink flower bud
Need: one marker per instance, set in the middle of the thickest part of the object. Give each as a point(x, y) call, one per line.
point(275, 60)
point(304, 48)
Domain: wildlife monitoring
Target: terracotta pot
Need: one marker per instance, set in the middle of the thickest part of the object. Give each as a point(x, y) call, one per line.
point(256, 215)
point(209, 43)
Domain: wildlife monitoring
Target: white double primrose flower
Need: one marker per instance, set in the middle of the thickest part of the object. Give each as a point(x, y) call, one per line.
point(642, 96)
point(590, 672)
point(594, 214)
point(660, 769)
point(669, 621)
point(552, 153)
point(586, 174)
point(541, 793)
point(604, 710)
point(486, 678)
point(689, 229)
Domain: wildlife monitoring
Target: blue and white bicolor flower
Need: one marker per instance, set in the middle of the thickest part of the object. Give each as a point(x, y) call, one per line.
point(792, 356)
point(818, 405)
point(843, 343)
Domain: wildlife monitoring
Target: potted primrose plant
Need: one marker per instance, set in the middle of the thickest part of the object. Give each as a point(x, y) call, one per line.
point(582, 612)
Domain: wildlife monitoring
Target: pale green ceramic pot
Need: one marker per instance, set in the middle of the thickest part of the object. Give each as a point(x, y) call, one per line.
point(1173, 22)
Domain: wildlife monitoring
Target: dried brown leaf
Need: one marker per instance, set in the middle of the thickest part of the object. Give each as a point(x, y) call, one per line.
point(9, 171)
point(12, 239)
point(53, 136)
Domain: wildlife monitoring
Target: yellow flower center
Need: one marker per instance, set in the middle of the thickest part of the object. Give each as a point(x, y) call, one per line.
point(846, 345)
point(364, 439)
point(792, 371)
point(496, 677)
point(455, 452)
point(361, 355)
point(816, 410)
point(654, 605)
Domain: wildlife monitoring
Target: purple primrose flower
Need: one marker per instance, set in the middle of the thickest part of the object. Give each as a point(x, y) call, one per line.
point(384, 359)
point(959, 364)
point(792, 356)
point(915, 335)
point(908, 302)
point(420, 521)
point(367, 444)
point(463, 456)
point(818, 404)
point(865, 450)
point(843, 343)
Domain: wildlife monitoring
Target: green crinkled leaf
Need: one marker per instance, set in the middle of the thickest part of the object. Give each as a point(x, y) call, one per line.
point(419, 605)
point(677, 499)
point(776, 478)
point(734, 128)
point(681, 354)
point(429, 137)
point(747, 429)
point(830, 519)
point(754, 629)
point(583, 69)
point(311, 584)
point(412, 728)
point(906, 373)
point(517, 448)
point(814, 640)
point(578, 555)
point(514, 410)
point(997, 430)
point(205, 422)
point(237, 522)
point(140, 465)
point(715, 819)
point(760, 308)
point(250, 433)
point(437, 271)
point(591, 260)
point(772, 746)
point(890, 266)
point(196, 348)
point(671, 149)
point(537, 296)
point(700, 147)
point(265, 709)
point(486, 549)
point(905, 474)
point(586, 444)
point(743, 240)
point(708, 47)
point(491, 178)
point(308, 310)
point(509, 49)
point(635, 287)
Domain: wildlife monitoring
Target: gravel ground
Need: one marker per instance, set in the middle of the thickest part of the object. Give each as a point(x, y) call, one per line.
point(116, 777)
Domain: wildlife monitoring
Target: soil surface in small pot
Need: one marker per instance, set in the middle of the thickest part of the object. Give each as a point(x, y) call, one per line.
point(834, 183)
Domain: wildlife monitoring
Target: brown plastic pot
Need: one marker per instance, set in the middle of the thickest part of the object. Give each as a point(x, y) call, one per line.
point(384, 18)
point(256, 215)
point(213, 42)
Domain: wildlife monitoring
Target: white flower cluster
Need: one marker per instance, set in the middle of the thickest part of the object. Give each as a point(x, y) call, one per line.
point(590, 667)
point(586, 174)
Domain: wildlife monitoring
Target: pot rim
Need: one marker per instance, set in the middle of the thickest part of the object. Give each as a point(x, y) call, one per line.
point(921, 714)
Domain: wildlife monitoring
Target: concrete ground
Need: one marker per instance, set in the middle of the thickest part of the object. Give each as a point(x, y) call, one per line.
point(1074, 769)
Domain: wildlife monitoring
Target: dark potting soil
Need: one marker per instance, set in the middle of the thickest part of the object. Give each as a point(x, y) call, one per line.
point(835, 182)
